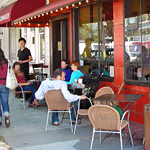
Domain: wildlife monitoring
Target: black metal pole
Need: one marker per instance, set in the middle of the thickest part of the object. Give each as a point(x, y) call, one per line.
point(98, 20)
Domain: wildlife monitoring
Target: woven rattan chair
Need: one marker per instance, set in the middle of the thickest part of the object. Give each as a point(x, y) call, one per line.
point(105, 119)
point(23, 93)
point(81, 112)
point(103, 91)
point(57, 103)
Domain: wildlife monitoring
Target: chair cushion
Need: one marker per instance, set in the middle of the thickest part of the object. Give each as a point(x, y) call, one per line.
point(20, 92)
point(124, 124)
point(83, 112)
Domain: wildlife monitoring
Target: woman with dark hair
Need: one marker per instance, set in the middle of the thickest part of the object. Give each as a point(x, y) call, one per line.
point(4, 91)
point(27, 86)
point(76, 74)
point(65, 67)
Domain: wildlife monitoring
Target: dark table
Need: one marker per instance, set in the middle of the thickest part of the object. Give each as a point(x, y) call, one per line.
point(126, 98)
point(130, 99)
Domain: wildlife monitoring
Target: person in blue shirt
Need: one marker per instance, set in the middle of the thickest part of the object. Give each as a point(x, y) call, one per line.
point(65, 67)
point(76, 74)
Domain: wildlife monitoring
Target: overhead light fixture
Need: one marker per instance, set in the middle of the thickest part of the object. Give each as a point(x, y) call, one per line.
point(47, 13)
point(47, 24)
point(34, 16)
point(38, 24)
point(38, 15)
point(25, 20)
point(28, 18)
point(79, 3)
point(31, 18)
point(51, 12)
point(67, 7)
point(29, 23)
point(61, 8)
point(22, 20)
point(73, 5)
point(42, 14)
point(87, 1)
point(56, 10)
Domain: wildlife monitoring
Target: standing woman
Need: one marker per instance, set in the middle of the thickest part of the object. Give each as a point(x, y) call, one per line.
point(4, 91)
point(65, 67)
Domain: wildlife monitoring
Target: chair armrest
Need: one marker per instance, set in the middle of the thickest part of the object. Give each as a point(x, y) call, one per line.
point(21, 88)
point(80, 101)
point(126, 112)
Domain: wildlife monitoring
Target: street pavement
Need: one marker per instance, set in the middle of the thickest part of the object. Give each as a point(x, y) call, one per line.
point(27, 132)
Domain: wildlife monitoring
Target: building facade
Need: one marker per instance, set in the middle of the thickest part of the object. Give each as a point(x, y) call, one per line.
point(111, 35)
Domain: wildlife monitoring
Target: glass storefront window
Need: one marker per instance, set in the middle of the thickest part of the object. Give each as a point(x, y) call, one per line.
point(42, 44)
point(137, 40)
point(88, 39)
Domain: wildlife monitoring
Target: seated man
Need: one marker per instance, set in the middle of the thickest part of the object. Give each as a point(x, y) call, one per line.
point(58, 83)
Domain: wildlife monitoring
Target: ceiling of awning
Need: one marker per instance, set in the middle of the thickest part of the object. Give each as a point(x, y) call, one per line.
point(4, 3)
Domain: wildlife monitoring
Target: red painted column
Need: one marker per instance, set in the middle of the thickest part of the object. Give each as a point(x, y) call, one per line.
point(118, 43)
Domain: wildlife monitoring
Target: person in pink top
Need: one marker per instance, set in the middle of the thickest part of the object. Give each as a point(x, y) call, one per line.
point(4, 91)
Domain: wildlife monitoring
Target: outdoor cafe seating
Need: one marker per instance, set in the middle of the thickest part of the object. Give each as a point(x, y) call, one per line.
point(57, 103)
point(105, 119)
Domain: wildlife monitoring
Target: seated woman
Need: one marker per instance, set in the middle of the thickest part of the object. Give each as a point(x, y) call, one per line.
point(65, 67)
point(76, 74)
point(27, 86)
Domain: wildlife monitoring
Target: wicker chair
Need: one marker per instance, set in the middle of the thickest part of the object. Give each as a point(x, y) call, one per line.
point(23, 95)
point(106, 119)
point(103, 91)
point(81, 112)
point(57, 103)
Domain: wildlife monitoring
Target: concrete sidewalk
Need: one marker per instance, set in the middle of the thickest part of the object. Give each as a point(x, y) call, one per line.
point(27, 132)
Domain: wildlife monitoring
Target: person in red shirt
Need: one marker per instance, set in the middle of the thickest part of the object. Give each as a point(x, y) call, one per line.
point(26, 85)
point(4, 91)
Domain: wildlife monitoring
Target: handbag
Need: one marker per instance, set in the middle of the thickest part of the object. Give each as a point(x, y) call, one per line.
point(11, 80)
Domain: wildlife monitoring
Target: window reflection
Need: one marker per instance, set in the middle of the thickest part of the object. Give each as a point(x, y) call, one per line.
point(88, 39)
point(137, 40)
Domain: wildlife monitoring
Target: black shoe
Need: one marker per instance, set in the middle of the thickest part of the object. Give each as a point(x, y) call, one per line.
point(7, 122)
point(0, 123)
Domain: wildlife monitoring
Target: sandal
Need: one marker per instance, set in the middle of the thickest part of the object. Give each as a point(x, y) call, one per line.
point(7, 122)
point(55, 124)
point(74, 122)
point(35, 103)
point(30, 105)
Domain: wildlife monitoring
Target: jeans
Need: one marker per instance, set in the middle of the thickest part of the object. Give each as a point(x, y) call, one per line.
point(73, 117)
point(4, 94)
point(32, 87)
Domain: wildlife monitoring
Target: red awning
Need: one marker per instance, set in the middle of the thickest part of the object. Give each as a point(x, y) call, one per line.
point(5, 14)
point(52, 6)
point(18, 9)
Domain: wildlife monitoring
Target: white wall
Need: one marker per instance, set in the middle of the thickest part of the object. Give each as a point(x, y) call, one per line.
point(9, 37)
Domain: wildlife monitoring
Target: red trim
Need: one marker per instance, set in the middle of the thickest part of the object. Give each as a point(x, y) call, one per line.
point(48, 8)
